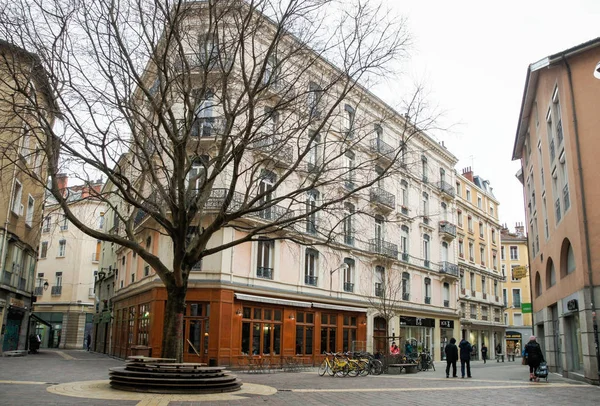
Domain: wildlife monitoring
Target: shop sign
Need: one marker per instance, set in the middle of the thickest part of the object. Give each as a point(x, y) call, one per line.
point(519, 272)
point(513, 335)
point(416, 321)
point(446, 323)
point(572, 305)
point(526, 308)
point(13, 301)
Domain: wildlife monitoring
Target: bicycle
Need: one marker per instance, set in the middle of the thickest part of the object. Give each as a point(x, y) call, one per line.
point(333, 365)
point(425, 361)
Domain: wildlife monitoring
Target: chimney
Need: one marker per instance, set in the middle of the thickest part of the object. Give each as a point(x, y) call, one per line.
point(468, 173)
point(62, 179)
point(520, 229)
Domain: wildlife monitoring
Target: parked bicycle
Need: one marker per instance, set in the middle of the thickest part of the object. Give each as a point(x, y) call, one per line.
point(425, 361)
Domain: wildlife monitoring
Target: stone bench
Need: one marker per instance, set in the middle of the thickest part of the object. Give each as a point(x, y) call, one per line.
point(395, 369)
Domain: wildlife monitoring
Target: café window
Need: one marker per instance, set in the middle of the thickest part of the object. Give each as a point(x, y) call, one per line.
point(328, 332)
point(349, 333)
point(305, 327)
point(143, 324)
point(261, 331)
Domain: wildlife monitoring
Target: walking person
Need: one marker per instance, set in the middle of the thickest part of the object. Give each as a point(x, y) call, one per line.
point(483, 352)
point(451, 351)
point(534, 356)
point(465, 357)
point(88, 341)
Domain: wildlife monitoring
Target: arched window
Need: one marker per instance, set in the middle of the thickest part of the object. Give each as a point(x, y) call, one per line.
point(538, 284)
point(550, 274)
point(567, 258)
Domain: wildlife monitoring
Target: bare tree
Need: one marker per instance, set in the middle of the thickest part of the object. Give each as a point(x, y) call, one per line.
point(203, 115)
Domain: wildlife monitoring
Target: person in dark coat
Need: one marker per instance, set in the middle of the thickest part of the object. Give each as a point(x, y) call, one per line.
point(483, 352)
point(465, 357)
point(88, 341)
point(451, 351)
point(535, 357)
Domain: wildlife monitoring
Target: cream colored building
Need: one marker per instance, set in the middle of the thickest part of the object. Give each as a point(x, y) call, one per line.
point(67, 265)
point(479, 243)
point(516, 292)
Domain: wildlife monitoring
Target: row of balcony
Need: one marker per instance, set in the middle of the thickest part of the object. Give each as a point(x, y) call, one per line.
point(14, 280)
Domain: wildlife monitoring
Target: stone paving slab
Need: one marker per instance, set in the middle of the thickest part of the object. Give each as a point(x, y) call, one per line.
point(34, 379)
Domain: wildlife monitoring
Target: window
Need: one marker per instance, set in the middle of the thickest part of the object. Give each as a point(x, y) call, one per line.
point(350, 165)
point(265, 190)
point(349, 275)
point(427, 291)
point(348, 223)
point(461, 248)
point(313, 156)
point(424, 168)
point(379, 281)
point(470, 223)
point(46, 224)
point(503, 270)
point(495, 288)
point(517, 319)
point(405, 286)
point(550, 274)
point(197, 174)
point(16, 198)
point(132, 277)
point(474, 311)
point(207, 111)
point(404, 194)
point(314, 97)
point(458, 189)
point(516, 297)
point(483, 287)
point(479, 202)
point(264, 265)
point(505, 297)
point(425, 205)
point(30, 210)
point(304, 333)
point(494, 260)
point(62, 247)
point(471, 251)
point(349, 332)
point(468, 195)
point(64, 223)
point(446, 294)
point(493, 236)
point(311, 262)
point(58, 279)
point(379, 232)
point(426, 250)
point(463, 282)
point(459, 218)
point(101, 221)
point(44, 249)
point(209, 49)
point(262, 327)
point(482, 254)
point(349, 115)
point(311, 214)
point(404, 242)
point(502, 256)
point(472, 282)
point(514, 253)
point(328, 332)
point(480, 229)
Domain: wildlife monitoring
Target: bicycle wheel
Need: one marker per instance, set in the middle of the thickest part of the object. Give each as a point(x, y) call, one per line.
point(342, 370)
point(323, 367)
point(432, 365)
point(376, 367)
point(353, 368)
point(365, 368)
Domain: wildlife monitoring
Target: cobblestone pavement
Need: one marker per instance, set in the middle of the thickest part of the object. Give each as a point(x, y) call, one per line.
point(35, 379)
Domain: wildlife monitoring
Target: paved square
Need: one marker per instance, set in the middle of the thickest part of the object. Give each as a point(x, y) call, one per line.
point(80, 378)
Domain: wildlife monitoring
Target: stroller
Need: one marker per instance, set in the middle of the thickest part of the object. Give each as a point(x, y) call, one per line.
point(541, 372)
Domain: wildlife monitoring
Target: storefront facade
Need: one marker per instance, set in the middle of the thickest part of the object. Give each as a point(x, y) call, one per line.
point(222, 326)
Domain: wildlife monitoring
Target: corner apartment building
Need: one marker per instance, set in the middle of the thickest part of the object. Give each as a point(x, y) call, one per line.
point(479, 245)
point(556, 142)
point(67, 265)
point(21, 187)
point(516, 292)
point(278, 298)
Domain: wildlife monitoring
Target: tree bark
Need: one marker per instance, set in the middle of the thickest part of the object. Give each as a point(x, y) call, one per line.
point(172, 343)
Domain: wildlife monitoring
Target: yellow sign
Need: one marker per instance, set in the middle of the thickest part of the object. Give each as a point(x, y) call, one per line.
point(519, 272)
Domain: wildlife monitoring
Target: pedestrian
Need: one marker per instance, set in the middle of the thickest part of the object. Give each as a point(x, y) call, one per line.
point(499, 353)
point(465, 357)
point(394, 350)
point(534, 356)
point(89, 341)
point(451, 351)
point(408, 348)
point(483, 352)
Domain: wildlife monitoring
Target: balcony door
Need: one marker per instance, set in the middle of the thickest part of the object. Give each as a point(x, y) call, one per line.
point(444, 254)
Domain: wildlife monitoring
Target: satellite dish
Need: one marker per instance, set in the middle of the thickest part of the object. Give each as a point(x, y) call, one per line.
point(597, 71)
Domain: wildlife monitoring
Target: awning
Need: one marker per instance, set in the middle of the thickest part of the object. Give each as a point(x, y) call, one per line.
point(272, 300)
point(39, 320)
point(341, 308)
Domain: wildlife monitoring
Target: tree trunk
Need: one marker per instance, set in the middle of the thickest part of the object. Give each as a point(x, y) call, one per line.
point(172, 343)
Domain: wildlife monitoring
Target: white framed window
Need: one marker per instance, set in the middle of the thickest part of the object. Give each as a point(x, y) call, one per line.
point(492, 210)
point(427, 290)
point(495, 288)
point(502, 256)
point(64, 223)
point(405, 286)
point(471, 251)
point(25, 149)
point(516, 297)
point(404, 193)
point(481, 229)
point(311, 266)
point(314, 96)
point(404, 242)
point(482, 254)
point(446, 294)
point(101, 221)
point(472, 284)
point(349, 116)
point(30, 210)
point(468, 194)
point(44, 249)
point(461, 248)
point(426, 250)
point(349, 274)
point(458, 189)
point(470, 223)
point(514, 253)
point(264, 258)
point(503, 270)
point(313, 156)
point(312, 198)
point(58, 279)
point(197, 174)
point(517, 319)
point(348, 223)
point(493, 235)
point(349, 157)
point(425, 204)
point(16, 206)
point(479, 202)
point(62, 248)
point(506, 318)
point(459, 216)
point(379, 280)
point(47, 222)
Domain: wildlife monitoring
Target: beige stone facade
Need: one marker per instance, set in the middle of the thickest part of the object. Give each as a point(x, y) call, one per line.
point(557, 144)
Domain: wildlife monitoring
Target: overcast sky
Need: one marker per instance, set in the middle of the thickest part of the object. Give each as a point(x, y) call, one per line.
point(473, 56)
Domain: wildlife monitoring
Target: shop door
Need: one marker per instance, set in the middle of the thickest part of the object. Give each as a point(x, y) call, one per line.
point(11, 335)
point(196, 340)
point(380, 340)
point(557, 340)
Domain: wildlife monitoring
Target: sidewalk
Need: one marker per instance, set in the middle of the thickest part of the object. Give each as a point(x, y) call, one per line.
point(83, 375)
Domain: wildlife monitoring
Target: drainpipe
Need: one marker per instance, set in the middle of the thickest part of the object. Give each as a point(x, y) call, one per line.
point(585, 218)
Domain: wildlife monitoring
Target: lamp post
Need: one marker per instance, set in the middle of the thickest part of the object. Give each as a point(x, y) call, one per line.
point(343, 266)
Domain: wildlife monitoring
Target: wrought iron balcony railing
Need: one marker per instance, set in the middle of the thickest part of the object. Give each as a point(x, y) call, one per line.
point(448, 229)
point(378, 290)
point(276, 149)
point(405, 296)
point(449, 268)
point(427, 300)
point(383, 247)
point(38, 291)
point(382, 148)
point(56, 290)
point(348, 287)
point(447, 188)
point(310, 280)
point(383, 197)
point(446, 303)
point(266, 273)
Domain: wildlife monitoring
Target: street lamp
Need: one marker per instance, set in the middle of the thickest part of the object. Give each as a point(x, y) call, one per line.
point(343, 266)
point(597, 71)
